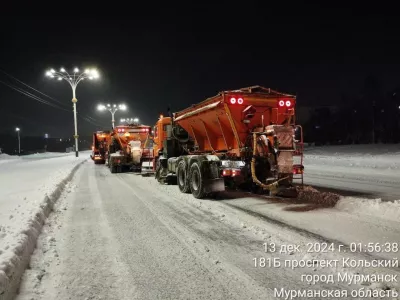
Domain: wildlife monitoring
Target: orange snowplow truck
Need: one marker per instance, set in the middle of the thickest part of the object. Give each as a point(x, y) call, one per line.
point(101, 140)
point(242, 138)
point(130, 148)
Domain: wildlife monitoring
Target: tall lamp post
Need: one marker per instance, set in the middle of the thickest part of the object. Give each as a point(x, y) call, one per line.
point(19, 140)
point(112, 109)
point(46, 136)
point(73, 79)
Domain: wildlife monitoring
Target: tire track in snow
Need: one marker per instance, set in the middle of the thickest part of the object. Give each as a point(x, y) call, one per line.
point(236, 260)
point(308, 235)
point(238, 282)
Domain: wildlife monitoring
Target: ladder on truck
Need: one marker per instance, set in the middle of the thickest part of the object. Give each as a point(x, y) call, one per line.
point(298, 169)
point(148, 161)
point(148, 167)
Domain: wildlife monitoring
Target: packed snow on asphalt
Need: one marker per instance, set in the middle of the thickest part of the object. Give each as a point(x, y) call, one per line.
point(123, 236)
point(29, 185)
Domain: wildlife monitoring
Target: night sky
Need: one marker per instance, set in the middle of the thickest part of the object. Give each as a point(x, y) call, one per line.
point(151, 62)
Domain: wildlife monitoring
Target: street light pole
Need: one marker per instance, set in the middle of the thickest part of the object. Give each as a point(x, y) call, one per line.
point(74, 100)
point(46, 136)
point(112, 119)
point(112, 109)
point(73, 79)
point(19, 141)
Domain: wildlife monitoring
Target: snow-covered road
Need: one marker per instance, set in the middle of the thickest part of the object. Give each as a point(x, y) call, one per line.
point(123, 236)
point(28, 187)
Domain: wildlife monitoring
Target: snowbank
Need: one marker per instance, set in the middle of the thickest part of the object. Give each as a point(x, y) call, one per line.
point(367, 171)
point(46, 155)
point(4, 158)
point(378, 156)
point(376, 208)
point(27, 194)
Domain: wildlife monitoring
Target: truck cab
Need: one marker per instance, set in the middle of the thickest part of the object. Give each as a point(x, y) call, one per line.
point(160, 134)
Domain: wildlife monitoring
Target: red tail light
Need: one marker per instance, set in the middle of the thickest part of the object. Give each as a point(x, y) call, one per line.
point(234, 100)
point(298, 169)
point(235, 173)
point(285, 103)
point(227, 172)
point(230, 172)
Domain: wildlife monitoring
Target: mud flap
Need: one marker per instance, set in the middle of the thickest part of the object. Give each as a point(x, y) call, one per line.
point(171, 179)
point(214, 185)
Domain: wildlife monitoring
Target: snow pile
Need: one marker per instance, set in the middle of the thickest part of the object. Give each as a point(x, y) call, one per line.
point(27, 194)
point(47, 155)
point(307, 194)
point(378, 157)
point(370, 171)
point(371, 207)
point(4, 158)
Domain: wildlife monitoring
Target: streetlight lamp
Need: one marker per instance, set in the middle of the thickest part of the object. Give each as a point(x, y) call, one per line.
point(130, 121)
point(73, 79)
point(112, 109)
point(19, 141)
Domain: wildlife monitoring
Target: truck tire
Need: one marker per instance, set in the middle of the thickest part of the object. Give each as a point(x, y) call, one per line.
point(113, 168)
point(196, 181)
point(158, 171)
point(182, 178)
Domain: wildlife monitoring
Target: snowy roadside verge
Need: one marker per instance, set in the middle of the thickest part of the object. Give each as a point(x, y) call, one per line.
point(15, 259)
point(5, 158)
point(376, 208)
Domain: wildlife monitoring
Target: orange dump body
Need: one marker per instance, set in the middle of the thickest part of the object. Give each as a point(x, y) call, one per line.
point(101, 140)
point(127, 133)
point(222, 123)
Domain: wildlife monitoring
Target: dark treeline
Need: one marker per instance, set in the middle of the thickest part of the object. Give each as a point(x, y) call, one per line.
point(373, 116)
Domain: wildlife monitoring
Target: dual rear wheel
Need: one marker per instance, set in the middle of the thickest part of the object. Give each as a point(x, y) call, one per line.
point(191, 180)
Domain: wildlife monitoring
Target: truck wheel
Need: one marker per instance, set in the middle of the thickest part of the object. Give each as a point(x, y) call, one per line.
point(158, 171)
point(113, 168)
point(182, 179)
point(196, 181)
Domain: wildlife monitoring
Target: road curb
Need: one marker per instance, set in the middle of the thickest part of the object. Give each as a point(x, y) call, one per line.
point(10, 279)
